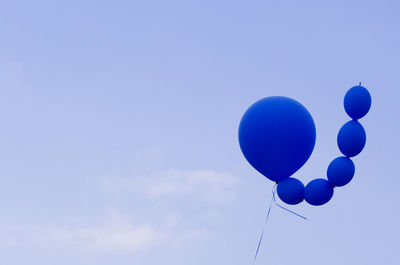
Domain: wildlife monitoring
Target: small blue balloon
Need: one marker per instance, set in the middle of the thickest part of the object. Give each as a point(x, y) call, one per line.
point(357, 102)
point(340, 171)
point(351, 138)
point(318, 192)
point(277, 136)
point(291, 191)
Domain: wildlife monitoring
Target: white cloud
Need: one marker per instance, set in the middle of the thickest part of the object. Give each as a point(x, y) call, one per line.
point(194, 184)
point(119, 233)
point(102, 238)
point(166, 226)
point(116, 234)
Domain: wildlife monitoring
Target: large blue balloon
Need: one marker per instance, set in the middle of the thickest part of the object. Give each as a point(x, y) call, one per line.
point(277, 136)
point(318, 192)
point(340, 171)
point(291, 191)
point(351, 138)
point(357, 102)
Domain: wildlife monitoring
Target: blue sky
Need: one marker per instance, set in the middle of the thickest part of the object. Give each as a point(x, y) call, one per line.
point(118, 140)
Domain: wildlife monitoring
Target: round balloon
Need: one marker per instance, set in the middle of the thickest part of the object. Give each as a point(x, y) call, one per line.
point(291, 191)
point(357, 102)
point(340, 171)
point(277, 136)
point(351, 138)
point(318, 192)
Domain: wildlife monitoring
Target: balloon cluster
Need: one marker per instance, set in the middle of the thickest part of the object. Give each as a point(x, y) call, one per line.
point(277, 136)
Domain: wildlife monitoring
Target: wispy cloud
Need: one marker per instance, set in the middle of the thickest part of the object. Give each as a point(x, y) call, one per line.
point(196, 184)
point(170, 225)
point(101, 238)
point(116, 234)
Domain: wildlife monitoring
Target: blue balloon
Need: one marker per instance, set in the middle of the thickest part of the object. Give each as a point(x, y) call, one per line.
point(277, 136)
point(291, 191)
point(340, 171)
point(351, 138)
point(357, 102)
point(318, 192)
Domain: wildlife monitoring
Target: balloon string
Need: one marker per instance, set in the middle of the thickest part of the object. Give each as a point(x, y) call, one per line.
point(266, 219)
point(286, 209)
point(273, 201)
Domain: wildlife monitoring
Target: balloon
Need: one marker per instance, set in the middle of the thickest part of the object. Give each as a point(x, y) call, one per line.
point(357, 102)
point(351, 138)
point(291, 191)
point(277, 136)
point(340, 171)
point(318, 192)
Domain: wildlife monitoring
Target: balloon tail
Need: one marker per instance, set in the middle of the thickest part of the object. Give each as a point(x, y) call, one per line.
point(273, 201)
